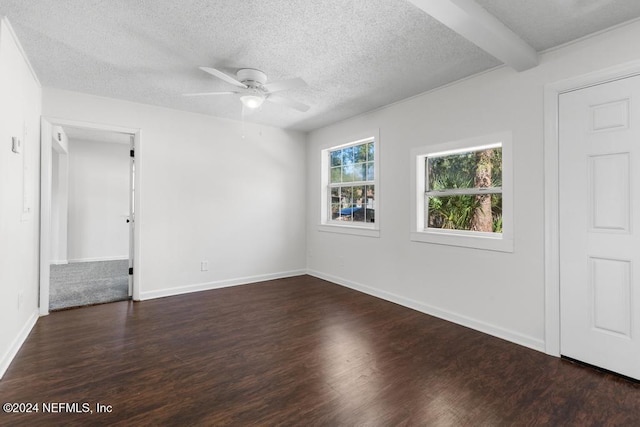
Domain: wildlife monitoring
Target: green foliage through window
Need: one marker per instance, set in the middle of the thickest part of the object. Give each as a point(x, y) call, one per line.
point(464, 190)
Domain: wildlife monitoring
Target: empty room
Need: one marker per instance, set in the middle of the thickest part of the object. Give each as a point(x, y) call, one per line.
point(380, 213)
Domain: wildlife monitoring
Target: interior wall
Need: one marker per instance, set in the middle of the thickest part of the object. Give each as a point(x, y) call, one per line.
point(59, 195)
point(499, 293)
point(98, 202)
point(210, 190)
point(20, 105)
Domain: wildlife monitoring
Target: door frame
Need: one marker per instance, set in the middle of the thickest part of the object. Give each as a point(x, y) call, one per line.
point(552, 94)
point(46, 134)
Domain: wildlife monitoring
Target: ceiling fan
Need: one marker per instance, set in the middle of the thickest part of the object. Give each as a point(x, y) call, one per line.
point(254, 89)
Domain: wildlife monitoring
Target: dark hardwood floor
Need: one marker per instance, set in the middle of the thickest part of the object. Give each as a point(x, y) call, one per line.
point(297, 351)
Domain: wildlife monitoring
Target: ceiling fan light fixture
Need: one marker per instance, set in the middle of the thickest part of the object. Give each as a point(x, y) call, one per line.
point(252, 101)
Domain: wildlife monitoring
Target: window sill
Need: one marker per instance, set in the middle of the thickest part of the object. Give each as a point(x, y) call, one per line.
point(350, 229)
point(490, 243)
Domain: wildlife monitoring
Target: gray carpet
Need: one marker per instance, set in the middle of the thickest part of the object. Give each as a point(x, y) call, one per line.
point(86, 283)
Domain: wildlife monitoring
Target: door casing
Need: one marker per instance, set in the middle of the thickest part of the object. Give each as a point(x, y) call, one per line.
point(46, 133)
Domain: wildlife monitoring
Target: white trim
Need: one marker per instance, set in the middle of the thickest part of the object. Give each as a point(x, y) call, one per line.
point(326, 224)
point(103, 258)
point(137, 253)
point(487, 328)
point(589, 36)
point(17, 343)
point(46, 127)
point(59, 262)
point(198, 287)
point(552, 93)
point(471, 191)
point(481, 28)
point(332, 227)
point(5, 21)
point(490, 243)
point(501, 242)
point(46, 146)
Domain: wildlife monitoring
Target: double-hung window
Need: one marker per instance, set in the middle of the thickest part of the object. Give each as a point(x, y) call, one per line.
point(349, 188)
point(463, 193)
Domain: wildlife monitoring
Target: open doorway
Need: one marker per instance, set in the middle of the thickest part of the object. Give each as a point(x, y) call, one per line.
point(88, 206)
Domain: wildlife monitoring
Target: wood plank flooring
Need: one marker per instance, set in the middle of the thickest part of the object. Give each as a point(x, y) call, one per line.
point(301, 352)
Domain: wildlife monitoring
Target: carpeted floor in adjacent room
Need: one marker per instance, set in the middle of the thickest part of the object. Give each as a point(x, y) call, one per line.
point(85, 283)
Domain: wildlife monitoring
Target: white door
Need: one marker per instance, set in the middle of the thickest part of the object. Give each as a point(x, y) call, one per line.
point(600, 225)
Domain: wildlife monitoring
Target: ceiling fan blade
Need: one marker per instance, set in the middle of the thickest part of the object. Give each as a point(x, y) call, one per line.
point(288, 103)
point(224, 76)
point(284, 85)
point(209, 93)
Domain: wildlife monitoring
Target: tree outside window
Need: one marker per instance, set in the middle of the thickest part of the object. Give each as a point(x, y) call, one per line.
point(464, 190)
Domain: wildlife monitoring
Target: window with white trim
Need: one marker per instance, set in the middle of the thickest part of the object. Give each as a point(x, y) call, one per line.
point(463, 193)
point(349, 187)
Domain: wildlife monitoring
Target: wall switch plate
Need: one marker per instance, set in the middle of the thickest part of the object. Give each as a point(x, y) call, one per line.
point(204, 266)
point(16, 144)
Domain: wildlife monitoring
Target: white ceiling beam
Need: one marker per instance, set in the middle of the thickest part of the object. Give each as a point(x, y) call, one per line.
point(473, 22)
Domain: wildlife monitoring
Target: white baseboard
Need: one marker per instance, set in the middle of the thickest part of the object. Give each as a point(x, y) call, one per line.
point(496, 331)
point(7, 358)
point(218, 284)
point(106, 258)
point(59, 262)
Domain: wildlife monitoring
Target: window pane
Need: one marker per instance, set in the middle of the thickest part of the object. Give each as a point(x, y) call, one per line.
point(336, 158)
point(359, 172)
point(370, 172)
point(358, 213)
point(345, 213)
point(335, 210)
point(358, 195)
point(370, 203)
point(346, 195)
point(347, 156)
point(496, 170)
point(348, 173)
point(335, 195)
point(360, 153)
point(336, 174)
point(371, 151)
point(473, 169)
point(466, 212)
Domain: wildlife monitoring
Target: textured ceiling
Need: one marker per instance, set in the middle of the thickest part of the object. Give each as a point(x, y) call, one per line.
point(548, 23)
point(355, 55)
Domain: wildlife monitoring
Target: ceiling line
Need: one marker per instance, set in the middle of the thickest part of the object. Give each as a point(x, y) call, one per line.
point(474, 23)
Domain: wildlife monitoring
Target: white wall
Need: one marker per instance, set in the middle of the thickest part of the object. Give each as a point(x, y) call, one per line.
point(206, 193)
point(20, 104)
point(499, 293)
point(59, 206)
point(98, 201)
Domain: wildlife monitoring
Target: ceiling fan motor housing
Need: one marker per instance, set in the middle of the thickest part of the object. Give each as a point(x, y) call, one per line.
point(251, 77)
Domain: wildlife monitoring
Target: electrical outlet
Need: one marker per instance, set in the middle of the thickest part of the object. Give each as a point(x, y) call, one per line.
point(341, 261)
point(204, 266)
point(20, 299)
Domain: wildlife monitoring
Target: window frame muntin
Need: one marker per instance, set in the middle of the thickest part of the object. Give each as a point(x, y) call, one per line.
point(341, 184)
point(367, 229)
